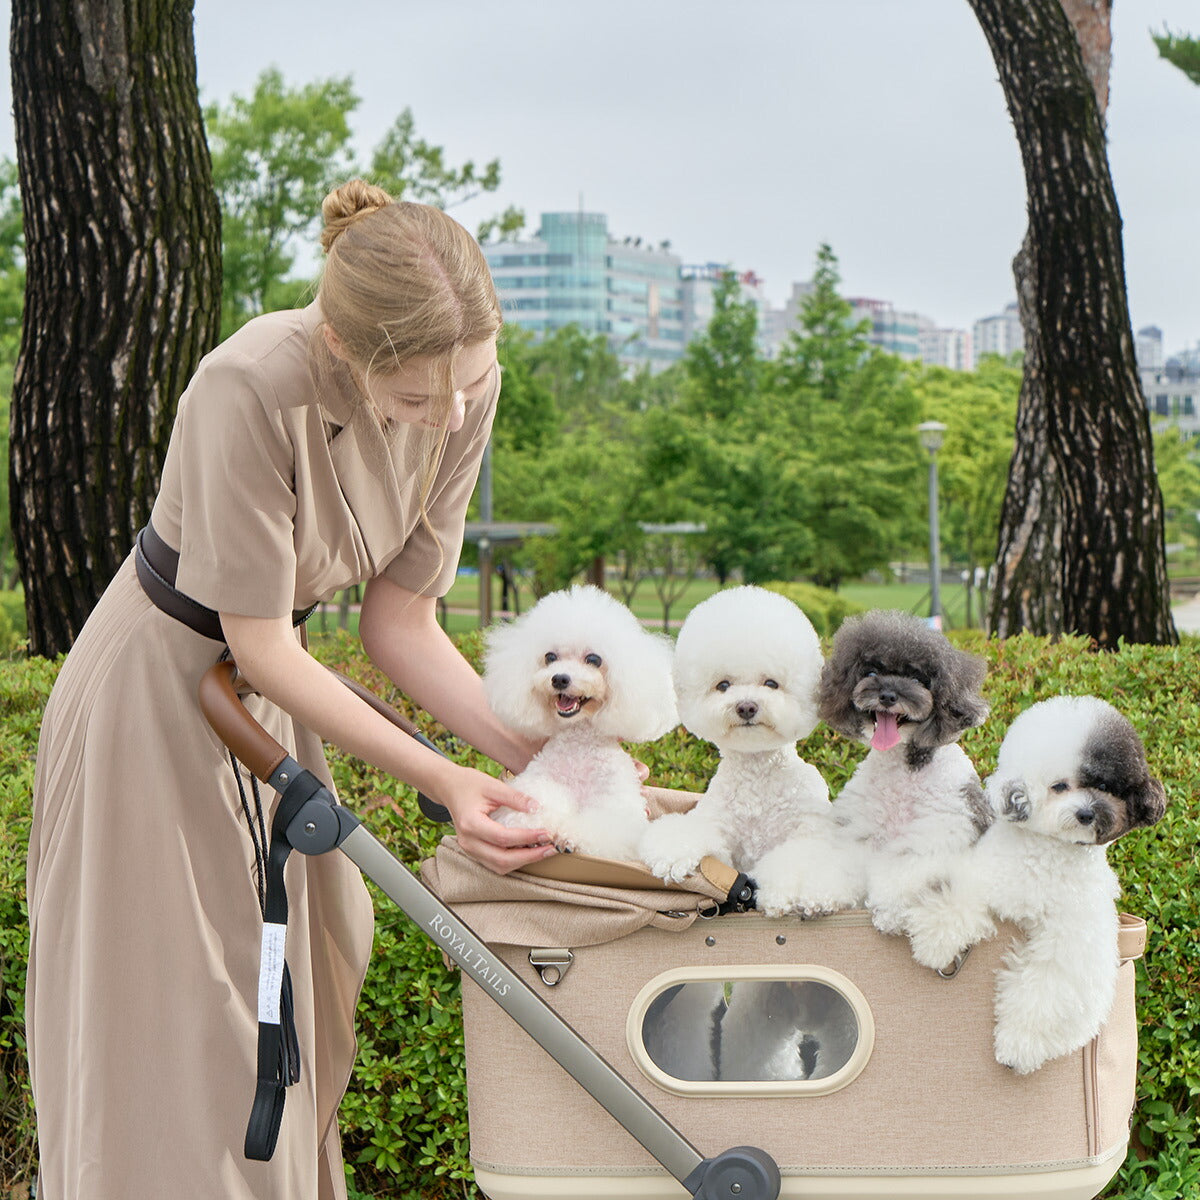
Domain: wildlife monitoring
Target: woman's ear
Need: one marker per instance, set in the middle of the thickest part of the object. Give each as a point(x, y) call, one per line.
point(335, 344)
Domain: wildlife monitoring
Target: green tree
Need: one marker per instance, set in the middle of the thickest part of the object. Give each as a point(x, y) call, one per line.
point(829, 348)
point(1181, 50)
point(410, 168)
point(1178, 460)
point(979, 410)
point(278, 151)
point(275, 155)
point(12, 265)
point(721, 366)
point(847, 415)
point(728, 471)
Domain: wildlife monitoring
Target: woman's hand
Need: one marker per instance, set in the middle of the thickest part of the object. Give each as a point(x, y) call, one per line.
point(472, 799)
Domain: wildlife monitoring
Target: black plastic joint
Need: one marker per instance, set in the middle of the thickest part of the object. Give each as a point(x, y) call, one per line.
point(320, 825)
point(743, 1173)
point(742, 896)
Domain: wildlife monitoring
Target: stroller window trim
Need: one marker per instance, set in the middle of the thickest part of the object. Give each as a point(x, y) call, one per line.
point(798, 973)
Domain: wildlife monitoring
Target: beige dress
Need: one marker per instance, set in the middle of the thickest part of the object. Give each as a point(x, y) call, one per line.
point(144, 918)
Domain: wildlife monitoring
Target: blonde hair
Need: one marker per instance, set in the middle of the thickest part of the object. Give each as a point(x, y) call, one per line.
point(401, 281)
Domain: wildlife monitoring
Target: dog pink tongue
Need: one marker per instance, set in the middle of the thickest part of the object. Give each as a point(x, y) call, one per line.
point(887, 731)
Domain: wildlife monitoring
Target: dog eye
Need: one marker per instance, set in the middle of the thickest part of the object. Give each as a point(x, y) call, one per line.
point(770, 683)
point(593, 660)
point(723, 686)
point(1061, 786)
point(551, 657)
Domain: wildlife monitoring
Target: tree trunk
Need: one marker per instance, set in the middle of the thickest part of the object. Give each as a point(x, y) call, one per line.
point(1081, 536)
point(123, 282)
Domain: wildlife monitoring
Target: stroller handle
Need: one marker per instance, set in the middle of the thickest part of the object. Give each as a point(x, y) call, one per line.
point(228, 716)
point(262, 754)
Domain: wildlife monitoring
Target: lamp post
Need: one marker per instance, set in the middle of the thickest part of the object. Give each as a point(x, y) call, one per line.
point(932, 435)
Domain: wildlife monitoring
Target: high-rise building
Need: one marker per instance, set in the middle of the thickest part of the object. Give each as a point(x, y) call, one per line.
point(946, 348)
point(1148, 348)
point(574, 272)
point(893, 330)
point(1171, 385)
point(999, 334)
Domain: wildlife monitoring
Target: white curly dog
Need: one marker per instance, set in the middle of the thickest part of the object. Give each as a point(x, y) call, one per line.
point(579, 670)
point(747, 665)
point(1071, 776)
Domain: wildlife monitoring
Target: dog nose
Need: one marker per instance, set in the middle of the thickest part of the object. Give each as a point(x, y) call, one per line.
point(747, 710)
point(1085, 816)
point(888, 698)
point(561, 682)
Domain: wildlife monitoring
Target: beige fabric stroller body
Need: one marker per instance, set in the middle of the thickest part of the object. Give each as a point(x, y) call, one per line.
point(620, 1023)
point(860, 1073)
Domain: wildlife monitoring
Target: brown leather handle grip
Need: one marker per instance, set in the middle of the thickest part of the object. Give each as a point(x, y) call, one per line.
point(225, 712)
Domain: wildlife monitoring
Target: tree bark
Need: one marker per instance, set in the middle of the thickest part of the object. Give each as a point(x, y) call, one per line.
point(1081, 538)
point(123, 282)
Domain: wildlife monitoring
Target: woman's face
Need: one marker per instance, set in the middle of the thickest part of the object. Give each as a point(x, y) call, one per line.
point(409, 394)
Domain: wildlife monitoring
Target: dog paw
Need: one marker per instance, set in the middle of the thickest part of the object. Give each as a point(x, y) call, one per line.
point(671, 870)
point(1019, 1054)
point(936, 952)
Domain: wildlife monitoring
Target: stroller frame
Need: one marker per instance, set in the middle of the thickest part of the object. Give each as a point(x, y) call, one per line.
point(320, 825)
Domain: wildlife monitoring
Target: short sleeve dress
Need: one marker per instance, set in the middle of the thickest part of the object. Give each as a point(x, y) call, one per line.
point(143, 905)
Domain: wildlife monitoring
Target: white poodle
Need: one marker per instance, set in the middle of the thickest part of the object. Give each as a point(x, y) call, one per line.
point(1071, 776)
point(915, 801)
point(580, 670)
point(747, 665)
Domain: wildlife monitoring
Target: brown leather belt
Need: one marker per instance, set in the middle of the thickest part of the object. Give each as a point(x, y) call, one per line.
point(157, 566)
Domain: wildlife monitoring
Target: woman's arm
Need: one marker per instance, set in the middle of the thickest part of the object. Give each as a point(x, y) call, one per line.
point(274, 662)
point(400, 632)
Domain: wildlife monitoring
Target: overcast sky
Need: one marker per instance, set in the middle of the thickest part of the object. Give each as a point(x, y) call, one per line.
point(748, 131)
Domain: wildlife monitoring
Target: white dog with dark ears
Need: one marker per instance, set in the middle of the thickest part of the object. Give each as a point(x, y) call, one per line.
point(915, 802)
point(747, 665)
point(579, 670)
point(1071, 777)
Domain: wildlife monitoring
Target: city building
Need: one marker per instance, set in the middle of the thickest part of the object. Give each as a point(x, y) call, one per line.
point(573, 272)
point(893, 330)
point(946, 348)
point(1171, 385)
point(1000, 334)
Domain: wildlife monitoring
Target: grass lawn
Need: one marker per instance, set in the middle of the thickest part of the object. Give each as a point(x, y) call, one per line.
point(462, 602)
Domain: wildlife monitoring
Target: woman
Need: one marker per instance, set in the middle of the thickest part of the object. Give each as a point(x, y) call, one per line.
point(313, 450)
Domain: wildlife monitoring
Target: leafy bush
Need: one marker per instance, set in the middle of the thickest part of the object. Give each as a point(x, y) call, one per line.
point(404, 1116)
point(826, 609)
point(12, 621)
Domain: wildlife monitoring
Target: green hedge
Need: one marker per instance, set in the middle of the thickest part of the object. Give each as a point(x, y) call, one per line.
point(404, 1118)
point(826, 609)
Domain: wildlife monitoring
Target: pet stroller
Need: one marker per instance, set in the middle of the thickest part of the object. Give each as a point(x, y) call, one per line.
point(674, 1016)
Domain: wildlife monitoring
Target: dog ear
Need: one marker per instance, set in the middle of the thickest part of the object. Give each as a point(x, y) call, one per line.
point(1148, 804)
point(835, 692)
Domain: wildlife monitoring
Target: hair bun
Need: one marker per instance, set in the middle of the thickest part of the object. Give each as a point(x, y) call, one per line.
point(345, 204)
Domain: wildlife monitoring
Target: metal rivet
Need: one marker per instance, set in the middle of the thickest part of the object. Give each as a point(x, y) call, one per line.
point(283, 777)
point(710, 940)
point(781, 940)
point(736, 1188)
point(310, 827)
